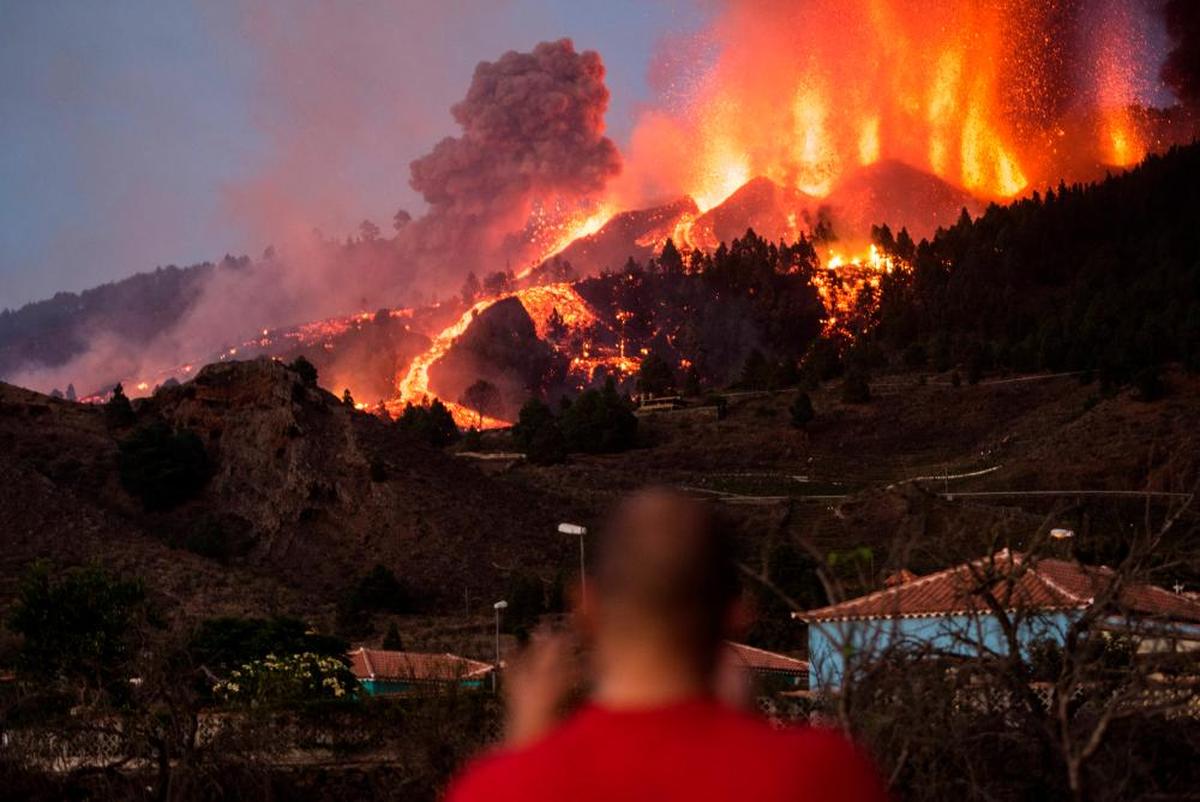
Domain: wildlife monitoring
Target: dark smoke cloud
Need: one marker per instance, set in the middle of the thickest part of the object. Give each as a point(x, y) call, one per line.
point(533, 129)
point(1181, 71)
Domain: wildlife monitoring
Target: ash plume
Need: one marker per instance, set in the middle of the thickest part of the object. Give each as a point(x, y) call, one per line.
point(533, 129)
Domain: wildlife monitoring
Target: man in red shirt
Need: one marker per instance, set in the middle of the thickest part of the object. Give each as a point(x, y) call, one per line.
point(663, 599)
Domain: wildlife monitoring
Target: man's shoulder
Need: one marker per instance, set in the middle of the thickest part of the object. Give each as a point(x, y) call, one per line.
point(496, 773)
point(488, 776)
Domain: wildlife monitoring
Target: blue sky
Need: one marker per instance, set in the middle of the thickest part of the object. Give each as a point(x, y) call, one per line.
point(125, 126)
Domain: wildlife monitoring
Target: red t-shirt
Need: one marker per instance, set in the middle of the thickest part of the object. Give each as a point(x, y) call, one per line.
point(690, 751)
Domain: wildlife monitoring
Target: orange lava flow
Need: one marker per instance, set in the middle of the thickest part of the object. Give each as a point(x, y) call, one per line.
point(540, 303)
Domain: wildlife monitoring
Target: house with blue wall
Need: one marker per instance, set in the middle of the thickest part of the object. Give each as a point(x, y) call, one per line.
point(382, 672)
point(970, 609)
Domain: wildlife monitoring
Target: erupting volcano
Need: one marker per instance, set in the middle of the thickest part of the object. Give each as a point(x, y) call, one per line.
point(807, 122)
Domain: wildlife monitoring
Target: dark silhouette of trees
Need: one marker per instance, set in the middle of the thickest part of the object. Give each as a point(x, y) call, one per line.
point(801, 410)
point(748, 294)
point(1102, 277)
point(225, 643)
point(483, 397)
point(599, 422)
point(534, 415)
point(856, 387)
point(429, 422)
point(392, 641)
point(78, 628)
point(498, 282)
point(368, 231)
point(556, 327)
point(118, 412)
point(670, 260)
point(306, 370)
point(470, 289)
point(161, 466)
point(655, 376)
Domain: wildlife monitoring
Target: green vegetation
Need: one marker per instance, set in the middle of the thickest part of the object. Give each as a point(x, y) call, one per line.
point(747, 295)
point(222, 644)
point(802, 410)
point(1103, 277)
point(856, 388)
point(306, 370)
point(78, 626)
point(392, 640)
point(161, 466)
point(289, 679)
point(376, 591)
point(118, 412)
point(596, 422)
point(599, 422)
point(655, 376)
point(431, 423)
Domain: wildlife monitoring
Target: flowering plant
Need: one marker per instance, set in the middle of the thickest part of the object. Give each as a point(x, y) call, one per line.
point(305, 676)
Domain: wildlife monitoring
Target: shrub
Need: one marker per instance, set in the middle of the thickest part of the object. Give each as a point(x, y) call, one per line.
point(292, 678)
point(77, 625)
point(599, 422)
point(118, 412)
point(856, 389)
point(1149, 384)
point(655, 376)
point(533, 416)
point(306, 370)
point(549, 447)
point(222, 644)
point(162, 467)
point(802, 410)
point(431, 423)
point(376, 591)
point(218, 538)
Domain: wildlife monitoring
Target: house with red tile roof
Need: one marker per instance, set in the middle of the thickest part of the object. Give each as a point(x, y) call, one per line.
point(962, 611)
point(381, 672)
point(762, 673)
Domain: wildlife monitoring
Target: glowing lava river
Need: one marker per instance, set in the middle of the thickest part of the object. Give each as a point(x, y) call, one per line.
point(540, 303)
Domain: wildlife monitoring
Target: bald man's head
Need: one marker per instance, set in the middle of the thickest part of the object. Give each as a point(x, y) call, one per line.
point(666, 571)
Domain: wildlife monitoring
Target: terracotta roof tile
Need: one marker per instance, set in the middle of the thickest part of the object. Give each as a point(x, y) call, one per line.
point(378, 664)
point(1016, 582)
point(762, 660)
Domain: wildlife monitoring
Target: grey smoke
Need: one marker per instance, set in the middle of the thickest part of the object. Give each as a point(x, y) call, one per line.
point(532, 129)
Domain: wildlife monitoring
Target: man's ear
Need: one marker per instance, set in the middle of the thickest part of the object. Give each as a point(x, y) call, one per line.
point(739, 617)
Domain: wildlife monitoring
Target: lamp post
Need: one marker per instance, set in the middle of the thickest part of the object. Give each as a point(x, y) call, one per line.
point(498, 606)
point(581, 532)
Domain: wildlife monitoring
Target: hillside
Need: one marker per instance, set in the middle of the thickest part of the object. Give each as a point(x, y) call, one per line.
point(307, 494)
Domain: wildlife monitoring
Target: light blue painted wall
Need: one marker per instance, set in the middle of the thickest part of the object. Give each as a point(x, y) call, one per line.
point(835, 645)
point(375, 687)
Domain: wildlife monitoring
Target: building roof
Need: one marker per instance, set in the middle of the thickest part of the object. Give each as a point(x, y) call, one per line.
point(378, 664)
point(1016, 581)
point(761, 660)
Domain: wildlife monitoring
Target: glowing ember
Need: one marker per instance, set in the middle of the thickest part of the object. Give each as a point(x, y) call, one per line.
point(552, 237)
point(806, 93)
point(843, 281)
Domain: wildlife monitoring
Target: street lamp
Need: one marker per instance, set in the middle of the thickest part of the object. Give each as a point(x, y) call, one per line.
point(498, 606)
point(581, 531)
